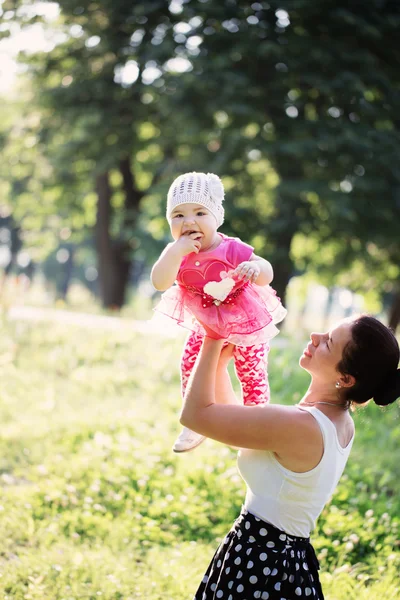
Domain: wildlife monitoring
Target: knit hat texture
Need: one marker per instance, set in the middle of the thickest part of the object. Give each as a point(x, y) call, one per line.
point(199, 188)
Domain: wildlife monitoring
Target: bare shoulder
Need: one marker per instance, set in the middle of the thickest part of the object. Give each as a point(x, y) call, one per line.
point(305, 450)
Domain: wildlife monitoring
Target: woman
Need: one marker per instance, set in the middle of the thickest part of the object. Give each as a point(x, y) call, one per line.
point(291, 457)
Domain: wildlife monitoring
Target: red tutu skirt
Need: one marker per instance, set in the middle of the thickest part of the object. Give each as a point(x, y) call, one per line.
point(246, 317)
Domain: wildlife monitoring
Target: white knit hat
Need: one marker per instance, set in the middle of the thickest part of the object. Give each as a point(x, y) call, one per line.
point(199, 188)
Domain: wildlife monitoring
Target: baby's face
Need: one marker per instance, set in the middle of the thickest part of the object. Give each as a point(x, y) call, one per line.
point(193, 218)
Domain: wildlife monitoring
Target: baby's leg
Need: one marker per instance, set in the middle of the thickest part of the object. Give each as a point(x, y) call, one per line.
point(251, 364)
point(189, 355)
point(188, 439)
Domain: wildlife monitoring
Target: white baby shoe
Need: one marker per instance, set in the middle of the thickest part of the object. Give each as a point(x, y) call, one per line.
point(187, 440)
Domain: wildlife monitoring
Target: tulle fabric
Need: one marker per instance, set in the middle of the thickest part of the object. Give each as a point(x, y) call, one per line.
point(247, 320)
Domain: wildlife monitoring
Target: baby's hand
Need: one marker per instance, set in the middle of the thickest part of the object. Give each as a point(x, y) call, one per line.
point(247, 271)
point(187, 244)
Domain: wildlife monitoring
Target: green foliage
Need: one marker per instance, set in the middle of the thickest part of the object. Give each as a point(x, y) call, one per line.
point(306, 138)
point(95, 504)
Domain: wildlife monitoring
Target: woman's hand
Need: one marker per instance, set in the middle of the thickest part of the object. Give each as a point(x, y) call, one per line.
point(209, 332)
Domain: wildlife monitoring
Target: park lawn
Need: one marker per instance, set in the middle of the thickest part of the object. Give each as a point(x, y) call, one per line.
point(94, 505)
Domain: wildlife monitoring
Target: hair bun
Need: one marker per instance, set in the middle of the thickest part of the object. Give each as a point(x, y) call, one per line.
point(389, 391)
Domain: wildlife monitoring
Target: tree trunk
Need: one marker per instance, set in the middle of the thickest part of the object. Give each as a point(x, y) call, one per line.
point(105, 250)
point(394, 311)
point(280, 232)
point(115, 256)
point(283, 271)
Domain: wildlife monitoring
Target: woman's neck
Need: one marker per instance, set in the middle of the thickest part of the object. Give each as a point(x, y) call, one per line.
point(321, 393)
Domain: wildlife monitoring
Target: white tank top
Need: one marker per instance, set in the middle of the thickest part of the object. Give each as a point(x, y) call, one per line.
point(293, 501)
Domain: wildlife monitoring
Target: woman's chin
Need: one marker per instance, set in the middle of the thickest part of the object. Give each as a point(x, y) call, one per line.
point(304, 362)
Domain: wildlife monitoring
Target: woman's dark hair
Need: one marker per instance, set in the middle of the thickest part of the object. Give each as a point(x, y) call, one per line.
point(371, 357)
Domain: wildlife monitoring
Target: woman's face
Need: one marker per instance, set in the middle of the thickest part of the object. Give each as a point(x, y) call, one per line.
point(325, 351)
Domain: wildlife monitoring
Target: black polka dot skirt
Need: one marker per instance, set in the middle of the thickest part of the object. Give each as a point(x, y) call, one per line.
point(257, 560)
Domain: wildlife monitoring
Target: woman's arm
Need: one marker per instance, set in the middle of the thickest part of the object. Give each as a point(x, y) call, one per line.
point(224, 392)
point(281, 429)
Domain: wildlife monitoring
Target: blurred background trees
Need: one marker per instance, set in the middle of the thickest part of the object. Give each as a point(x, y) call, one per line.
point(293, 104)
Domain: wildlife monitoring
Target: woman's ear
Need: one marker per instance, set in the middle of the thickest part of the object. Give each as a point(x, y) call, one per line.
point(347, 381)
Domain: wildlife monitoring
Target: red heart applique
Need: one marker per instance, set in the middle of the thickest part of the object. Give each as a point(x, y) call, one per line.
point(198, 277)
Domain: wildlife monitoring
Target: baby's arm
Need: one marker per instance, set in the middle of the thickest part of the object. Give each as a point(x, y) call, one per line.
point(165, 270)
point(257, 270)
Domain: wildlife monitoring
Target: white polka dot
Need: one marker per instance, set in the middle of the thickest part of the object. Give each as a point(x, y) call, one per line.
point(247, 525)
point(230, 597)
point(253, 579)
point(274, 572)
point(205, 578)
point(297, 591)
point(266, 571)
point(220, 593)
point(238, 560)
point(238, 547)
point(252, 539)
point(311, 577)
point(257, 594)
point(263, 531)
point(213, 587)
point(249, 551)
point(227, 570)
point(270, 545)
point(263, 556)
point(240, 588)
point(239, 534)
point(226, 540)
point(284, 577)
point(227, 555)
point(305, 566)
point(264, 596)
point(297, 566)
point(292, 553)
point(282, 537)
point(291, 578)
point(284, 563)
point(219, 563)
point(257, 519)
point(239, 575)
point(230, 584)
point(250, 564)
point(204, 596)
point(278, 586)
point(308, 591)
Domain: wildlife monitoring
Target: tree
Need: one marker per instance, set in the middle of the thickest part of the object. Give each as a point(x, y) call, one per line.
point(91, 117)
point(317, 101)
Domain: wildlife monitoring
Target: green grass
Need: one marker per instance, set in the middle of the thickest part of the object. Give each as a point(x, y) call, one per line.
point(94, 505)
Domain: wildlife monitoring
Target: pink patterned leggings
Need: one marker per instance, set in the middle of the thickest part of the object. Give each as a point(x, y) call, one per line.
point(250, 366)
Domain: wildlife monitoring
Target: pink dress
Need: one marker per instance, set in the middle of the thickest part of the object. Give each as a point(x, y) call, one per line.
point(246, 317)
